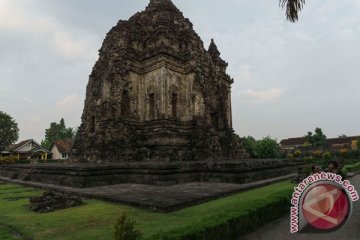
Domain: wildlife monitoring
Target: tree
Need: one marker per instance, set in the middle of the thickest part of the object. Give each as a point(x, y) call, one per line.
point(293, 7)
point(57, 131)
point(249, 145)
point(317, 139)
point(309, 139)
point(9, 131)
point(267, 148)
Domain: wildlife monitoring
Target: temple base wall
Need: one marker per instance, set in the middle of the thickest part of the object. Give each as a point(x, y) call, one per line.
point(90, 175)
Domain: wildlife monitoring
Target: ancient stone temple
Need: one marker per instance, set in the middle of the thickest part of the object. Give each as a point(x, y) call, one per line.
point(156, 94)
point(157, 112)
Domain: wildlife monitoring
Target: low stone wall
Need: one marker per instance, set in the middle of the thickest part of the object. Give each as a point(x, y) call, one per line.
point(89, 175)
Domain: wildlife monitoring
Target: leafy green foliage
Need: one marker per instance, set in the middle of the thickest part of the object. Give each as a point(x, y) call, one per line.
point(317, 154)
point(264, 148)
point(344, 152)
point(293, 7)
point(309, 139)
point(307, 171)
point(125, 229)
point(309, 159)
point(9, 131)
point(317, 139)
point(327, 156)
point(249, 144)
point(267, 148)
point(350, 168)
point(297, 153)
point(57, 131)
point(8, 160)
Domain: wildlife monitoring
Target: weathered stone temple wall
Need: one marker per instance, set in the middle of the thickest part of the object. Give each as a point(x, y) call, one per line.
point(89, 175)
point(156, 94)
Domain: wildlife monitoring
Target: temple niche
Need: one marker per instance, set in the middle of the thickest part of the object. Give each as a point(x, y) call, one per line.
point(157, 95)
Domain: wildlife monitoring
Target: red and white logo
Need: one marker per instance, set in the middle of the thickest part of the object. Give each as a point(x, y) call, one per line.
point(326, 206)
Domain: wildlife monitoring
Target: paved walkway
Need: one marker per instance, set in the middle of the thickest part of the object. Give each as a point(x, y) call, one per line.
point(279, 229)
point(158, 198)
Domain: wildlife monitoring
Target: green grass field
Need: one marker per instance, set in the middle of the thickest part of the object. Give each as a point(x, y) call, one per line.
point(94, 220)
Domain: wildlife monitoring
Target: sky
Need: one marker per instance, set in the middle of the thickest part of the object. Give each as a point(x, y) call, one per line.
point(288, 78)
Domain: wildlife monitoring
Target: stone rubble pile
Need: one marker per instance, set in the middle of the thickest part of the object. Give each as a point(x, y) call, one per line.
point(51, 201)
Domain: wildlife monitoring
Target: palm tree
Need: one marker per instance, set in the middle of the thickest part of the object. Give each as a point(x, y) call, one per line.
point(293, 7)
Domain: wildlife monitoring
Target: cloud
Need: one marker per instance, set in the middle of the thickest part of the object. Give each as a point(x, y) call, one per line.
point(69, 102)
point(69, 108)
point(10, 15)
point(348, 27)
point(66, 46)
point(264, 95)
point(306, 37)
point(16, 18)
point(246, 73)
point(328, 7)
point(33, 126)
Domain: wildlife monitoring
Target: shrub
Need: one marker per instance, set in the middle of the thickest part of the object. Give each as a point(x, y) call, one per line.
point(347, 153)
point(8, 160)
point(125, 229)
point(351, 168)
point(326, 156)
point(309, 159)
point(357, 153)
point(267, 148)
point(354, 154)
point(317, 154)
point(291, 156)
point(297, 153)
point(307, 171)
point(344, 152)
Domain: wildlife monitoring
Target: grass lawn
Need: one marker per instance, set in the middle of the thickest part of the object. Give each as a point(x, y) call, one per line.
point(95, 219)
point(6, 234)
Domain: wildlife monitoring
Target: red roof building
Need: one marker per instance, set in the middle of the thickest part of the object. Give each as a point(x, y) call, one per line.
point(61, 149)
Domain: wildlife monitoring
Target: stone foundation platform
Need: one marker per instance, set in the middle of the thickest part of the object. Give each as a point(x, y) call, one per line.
point(157, 198)
point(152, 173)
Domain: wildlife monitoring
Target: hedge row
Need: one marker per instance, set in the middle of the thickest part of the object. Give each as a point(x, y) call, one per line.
point(227, 227)
point(325, 154)
point(8, 160)
point(14, 160)
point(351, 168)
